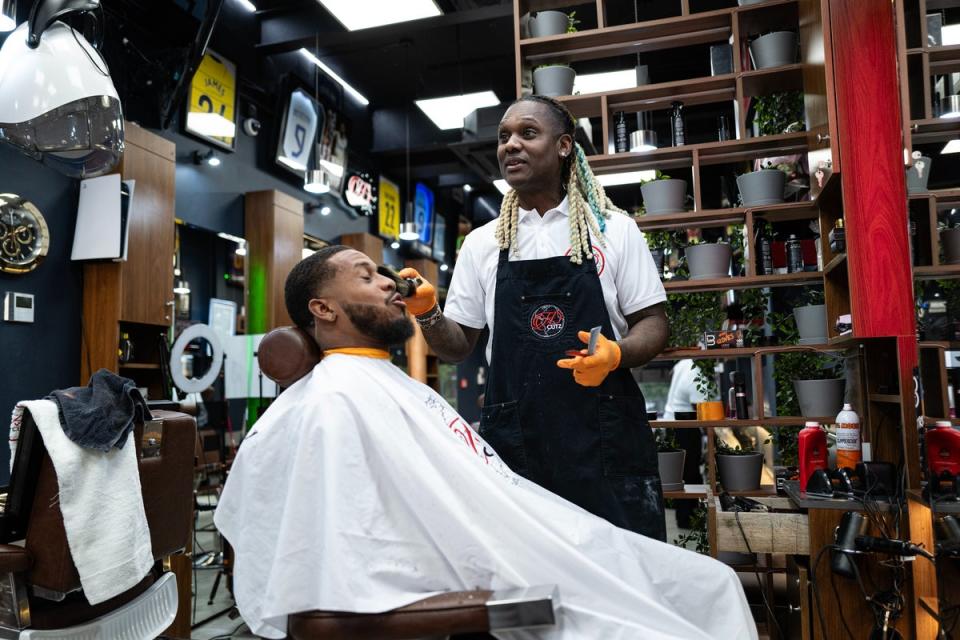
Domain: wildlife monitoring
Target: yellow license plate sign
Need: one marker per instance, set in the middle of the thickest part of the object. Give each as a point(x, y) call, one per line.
point(211, 110)
point(389, 209)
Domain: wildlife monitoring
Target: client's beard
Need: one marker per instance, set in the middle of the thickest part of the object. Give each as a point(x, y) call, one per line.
point(375, 322)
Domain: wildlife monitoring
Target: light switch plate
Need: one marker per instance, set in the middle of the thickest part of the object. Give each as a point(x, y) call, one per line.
point(18, 307)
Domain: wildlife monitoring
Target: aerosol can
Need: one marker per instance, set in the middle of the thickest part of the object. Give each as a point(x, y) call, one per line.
point(848, 438)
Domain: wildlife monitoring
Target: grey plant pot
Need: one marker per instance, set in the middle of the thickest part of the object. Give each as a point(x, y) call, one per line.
point(658, 257)
point(709, 261)
point(664, 196)
point(763, 187)
point(740, 473)
point(671, 469)
point(548, 23)
point(917, 179)
point(819, 398)
point(950, 241)
point(811, 323)
point(774, 49)
point(744, 3)
point(554, 81)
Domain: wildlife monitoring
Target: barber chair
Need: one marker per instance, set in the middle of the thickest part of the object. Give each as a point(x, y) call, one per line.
point(287, 354)
point(40, 591)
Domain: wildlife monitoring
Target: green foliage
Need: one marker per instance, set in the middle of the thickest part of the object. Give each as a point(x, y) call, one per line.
point(698, 532)
point(552, 64)
point(690, 314)
point(666, 441)
point(659, 239)
point(780, 112)
point(572, 22)
point(723, 449)
point(707, 378)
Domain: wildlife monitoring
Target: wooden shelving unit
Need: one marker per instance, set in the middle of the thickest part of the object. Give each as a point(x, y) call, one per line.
point(881, 378)
point(920, 64)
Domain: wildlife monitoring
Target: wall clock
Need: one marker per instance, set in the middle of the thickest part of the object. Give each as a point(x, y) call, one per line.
point(24, 237)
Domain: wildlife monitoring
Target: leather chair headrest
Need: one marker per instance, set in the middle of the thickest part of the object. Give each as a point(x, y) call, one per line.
point(287, 354)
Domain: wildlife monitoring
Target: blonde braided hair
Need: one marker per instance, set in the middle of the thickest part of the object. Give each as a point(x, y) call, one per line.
point(588, 204)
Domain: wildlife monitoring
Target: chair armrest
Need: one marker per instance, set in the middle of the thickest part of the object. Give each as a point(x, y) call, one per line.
point(14, 559)
point(444, 614)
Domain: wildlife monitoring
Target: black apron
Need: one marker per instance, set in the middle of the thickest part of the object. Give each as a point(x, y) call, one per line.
point(590, 445)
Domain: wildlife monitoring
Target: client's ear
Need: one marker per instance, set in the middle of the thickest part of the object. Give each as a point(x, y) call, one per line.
point(322, 310)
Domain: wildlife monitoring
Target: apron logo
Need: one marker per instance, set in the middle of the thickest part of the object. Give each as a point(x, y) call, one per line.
point(547, 321)
point(598, 257)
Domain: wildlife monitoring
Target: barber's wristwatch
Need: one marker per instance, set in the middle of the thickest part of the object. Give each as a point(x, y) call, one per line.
point(430, 318)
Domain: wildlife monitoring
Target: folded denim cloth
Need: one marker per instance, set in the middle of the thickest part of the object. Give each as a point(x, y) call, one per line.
point(101, 414)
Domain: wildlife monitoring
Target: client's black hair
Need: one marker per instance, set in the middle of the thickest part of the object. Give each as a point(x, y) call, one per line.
point(305, 282)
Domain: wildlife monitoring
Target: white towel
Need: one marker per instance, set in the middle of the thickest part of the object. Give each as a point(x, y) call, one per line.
point(102, 506)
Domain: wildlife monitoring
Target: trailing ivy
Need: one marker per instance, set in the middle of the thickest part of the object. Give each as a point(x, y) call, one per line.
point(780, 112)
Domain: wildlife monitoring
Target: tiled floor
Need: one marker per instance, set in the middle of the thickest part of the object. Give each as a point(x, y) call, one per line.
point(224, 627)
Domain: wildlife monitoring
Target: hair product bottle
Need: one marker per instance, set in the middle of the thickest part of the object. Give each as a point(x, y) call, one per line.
point(812, 451)
point(677, 129)
point(620, 132)
point(848, 438)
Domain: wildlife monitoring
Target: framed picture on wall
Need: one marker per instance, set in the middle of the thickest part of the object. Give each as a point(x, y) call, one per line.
point(303, 117)
point(423, 213)
point(211, 113)
point(439, 239)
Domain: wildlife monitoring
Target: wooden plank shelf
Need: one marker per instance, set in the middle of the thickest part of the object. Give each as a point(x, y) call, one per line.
point(728, 151)
point(888, 398)
point(931, 130)
point(934, 344)
point(763, 82)
point(943, 504)
point(655, 96)
point(742, 352)
point(689, 492)
point(785, 212)
point(944, 271)
point(944, 59)
point(139, 365)
point(786, 421)
point(651, 35)
point(744, 282)
point(836, 262)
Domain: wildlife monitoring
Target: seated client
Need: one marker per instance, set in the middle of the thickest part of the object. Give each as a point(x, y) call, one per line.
point(362, 490)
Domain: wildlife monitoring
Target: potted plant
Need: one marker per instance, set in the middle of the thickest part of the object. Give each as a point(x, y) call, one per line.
point(690, 314)
point(671, 459)
point(775, 49)
point(761, 188)
point(806, 382)
point(554, 80)
point(950, 242)
point(708, 260)
point(777, 113)
point(811, 318)
point(697, 533)
point(738, 469)
point(551, 23)
point(663, 194)
point(659, 243)
point(919, 173)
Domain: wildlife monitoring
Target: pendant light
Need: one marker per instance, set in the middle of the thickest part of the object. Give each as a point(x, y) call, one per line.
point(644, 138)
point(316, 180)
point(408, 230)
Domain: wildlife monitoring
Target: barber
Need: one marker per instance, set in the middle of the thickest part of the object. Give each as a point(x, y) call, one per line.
point(560, 259)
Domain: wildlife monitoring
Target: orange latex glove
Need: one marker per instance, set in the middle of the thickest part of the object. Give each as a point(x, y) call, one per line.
point(425, 298)
point(590, 371)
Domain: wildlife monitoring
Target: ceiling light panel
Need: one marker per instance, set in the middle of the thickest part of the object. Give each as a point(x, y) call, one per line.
point(449, 112)
point(364, 14)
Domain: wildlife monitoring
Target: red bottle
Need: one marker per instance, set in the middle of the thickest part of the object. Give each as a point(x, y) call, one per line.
point(943, 449)
point(812, 451)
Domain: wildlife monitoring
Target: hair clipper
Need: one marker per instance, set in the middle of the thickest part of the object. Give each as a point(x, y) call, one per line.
point(407, 287)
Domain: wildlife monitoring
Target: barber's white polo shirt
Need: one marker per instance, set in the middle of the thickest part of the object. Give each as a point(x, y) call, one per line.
point(627, 273)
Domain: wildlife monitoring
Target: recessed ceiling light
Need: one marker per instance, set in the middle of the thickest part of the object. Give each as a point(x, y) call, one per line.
point(249, 6)
point(444, 267)
point(951, 147)
point(363, 14)
point(608, 81)
point(627, 177)
point(449, 112)
point(359, 97)
point(467, 188)
point(501, 186)
point(394, 245)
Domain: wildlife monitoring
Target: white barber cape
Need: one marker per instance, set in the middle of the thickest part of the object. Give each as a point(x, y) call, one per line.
point(362, 490)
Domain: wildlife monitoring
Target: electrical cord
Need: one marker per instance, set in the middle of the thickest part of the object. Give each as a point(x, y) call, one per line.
point(763, 593)
point(230, 635)
point(816, 590)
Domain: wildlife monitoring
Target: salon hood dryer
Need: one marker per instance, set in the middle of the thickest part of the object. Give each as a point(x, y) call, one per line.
point(57, 101)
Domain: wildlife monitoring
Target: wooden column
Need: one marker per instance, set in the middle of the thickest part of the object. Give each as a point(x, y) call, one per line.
point(874, 190)
point(366, 243)
point(273, 227)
